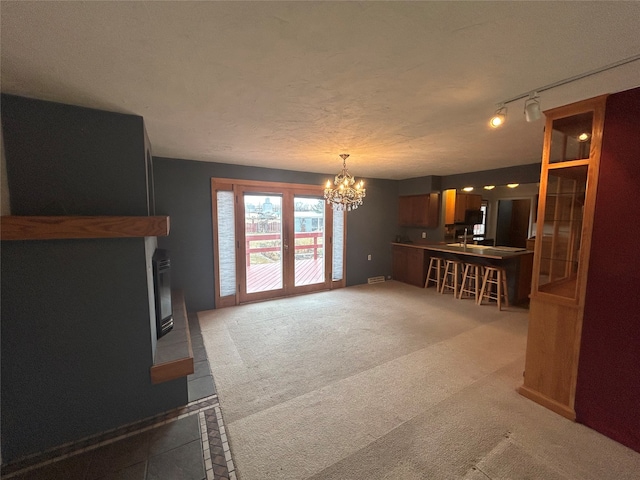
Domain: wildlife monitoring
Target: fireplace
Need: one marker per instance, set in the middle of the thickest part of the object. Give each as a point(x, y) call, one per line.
point(162, 287)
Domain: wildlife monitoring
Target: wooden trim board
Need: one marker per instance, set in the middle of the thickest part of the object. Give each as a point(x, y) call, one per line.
point(72, 227)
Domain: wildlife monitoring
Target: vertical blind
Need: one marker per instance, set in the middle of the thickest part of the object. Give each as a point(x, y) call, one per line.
point(226, 243)
point(338, 245)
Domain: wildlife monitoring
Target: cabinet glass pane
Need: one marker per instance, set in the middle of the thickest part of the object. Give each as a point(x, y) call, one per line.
point(562, 230)
point(571, 138)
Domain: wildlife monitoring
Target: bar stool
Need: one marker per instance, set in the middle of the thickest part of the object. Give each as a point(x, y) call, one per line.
point(452, 269)
point(494, 277)
point(434, 273)
point(471, 280)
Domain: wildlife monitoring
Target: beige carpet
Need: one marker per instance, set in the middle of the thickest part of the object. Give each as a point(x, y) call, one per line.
point(389, 381)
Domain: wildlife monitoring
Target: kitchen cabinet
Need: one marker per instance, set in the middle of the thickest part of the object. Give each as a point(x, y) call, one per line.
point(419, 210)
point(456, 205)
point(409, 265)
point(568, 184)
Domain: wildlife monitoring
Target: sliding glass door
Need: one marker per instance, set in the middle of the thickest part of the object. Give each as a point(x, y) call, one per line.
point(309, 241)
point(281, 243)
point(263, 244)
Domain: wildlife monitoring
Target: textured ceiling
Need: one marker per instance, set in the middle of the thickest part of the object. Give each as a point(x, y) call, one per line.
point(405, 87)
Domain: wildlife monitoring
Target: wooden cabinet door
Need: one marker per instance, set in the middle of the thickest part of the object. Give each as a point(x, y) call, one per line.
point(405, 211)
point(399, 268)
point(474, 202)
point(419, 210)
point(432, 211)
point(460, 208)
point(415, 267)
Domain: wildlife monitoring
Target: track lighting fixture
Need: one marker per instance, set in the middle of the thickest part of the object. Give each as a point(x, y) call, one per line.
point(532, 108)
point(499, 117)
point(532, 104)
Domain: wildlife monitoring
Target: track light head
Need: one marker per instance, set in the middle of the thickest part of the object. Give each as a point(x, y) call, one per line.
point(499, 117)
point(532, 108)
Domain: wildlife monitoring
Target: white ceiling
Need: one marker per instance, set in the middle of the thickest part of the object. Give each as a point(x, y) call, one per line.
point(405, 87)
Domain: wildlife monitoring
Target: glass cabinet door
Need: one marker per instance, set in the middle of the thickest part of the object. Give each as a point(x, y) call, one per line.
point(562, 230)
point(567, 159)
point(571, 138)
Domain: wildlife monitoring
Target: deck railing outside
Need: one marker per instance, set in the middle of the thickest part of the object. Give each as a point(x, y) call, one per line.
point(310, 248)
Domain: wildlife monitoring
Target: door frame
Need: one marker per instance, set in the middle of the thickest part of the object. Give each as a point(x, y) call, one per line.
point(289, 190)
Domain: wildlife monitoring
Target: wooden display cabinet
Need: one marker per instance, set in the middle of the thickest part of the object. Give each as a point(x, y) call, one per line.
point(568, 182)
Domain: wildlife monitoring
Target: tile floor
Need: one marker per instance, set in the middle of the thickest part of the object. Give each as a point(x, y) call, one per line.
point(188, 443)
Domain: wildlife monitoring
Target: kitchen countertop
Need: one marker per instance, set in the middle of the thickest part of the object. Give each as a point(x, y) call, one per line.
point(498, 253)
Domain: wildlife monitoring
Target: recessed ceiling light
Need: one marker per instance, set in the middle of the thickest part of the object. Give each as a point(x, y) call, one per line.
point(468, 189)
point(489, 187)
point(512, 185)
point(583, 137)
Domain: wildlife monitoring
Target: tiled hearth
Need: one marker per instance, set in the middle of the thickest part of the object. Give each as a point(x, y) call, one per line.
point(188, 443)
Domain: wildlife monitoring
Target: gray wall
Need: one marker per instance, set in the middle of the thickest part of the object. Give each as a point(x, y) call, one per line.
point(529, 173)
point(183, 191)
point(76, 332)
point(67, 160)
point(76, 343)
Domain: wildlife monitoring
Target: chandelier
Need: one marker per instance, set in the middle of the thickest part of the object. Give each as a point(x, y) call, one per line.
point(345, 193)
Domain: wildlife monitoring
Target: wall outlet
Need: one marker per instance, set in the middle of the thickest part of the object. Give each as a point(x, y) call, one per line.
point(424, 234)
point(369, 257)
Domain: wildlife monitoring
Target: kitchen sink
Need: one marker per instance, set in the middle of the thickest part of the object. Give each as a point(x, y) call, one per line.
point(469, 245)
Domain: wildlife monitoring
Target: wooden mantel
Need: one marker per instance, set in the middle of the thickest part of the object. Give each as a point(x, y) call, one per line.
point(77, 227)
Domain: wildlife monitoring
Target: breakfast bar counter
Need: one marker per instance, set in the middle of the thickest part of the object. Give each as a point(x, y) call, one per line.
point(517, 262)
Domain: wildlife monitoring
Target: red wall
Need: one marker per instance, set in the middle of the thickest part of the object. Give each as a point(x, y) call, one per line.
point(608, 388)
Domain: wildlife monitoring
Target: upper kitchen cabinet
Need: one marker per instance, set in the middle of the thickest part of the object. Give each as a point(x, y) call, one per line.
point(419, 210)
point(568, 185)
point(457, 204)
point(70, 160)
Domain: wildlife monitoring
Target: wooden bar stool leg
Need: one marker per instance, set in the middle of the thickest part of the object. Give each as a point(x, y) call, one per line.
point(504, 287)
point(444, 280)
point(456, 274)
point(484, 286)
point(479, 276)
point(499, 289)
point(464, 280)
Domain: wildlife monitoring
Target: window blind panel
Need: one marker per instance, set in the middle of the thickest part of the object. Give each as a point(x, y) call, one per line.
point(338, 246)
point(226, 243)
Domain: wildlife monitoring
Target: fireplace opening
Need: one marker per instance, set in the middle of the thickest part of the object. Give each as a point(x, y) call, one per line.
point(162, 286)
